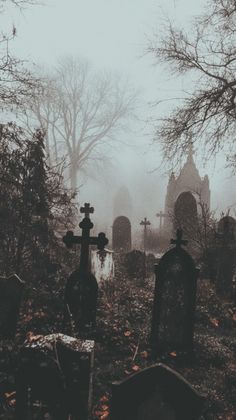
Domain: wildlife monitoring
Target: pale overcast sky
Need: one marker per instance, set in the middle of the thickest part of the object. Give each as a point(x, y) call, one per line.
point(113, 35)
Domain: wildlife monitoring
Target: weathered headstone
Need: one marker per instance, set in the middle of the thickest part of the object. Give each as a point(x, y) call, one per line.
point(226, 256)
point(227, 228)
point(81, 288)
point(102, 265)
point(10, 297)
point(121, 234)
point(57, 371)
point(174, 301)
point(185, 214)
point(157, 392)
point(134, 264)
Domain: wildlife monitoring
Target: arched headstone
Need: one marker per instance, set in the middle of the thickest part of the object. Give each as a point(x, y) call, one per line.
point(227, 227)
point(185, 214)
point(174, 301)
point(121, 234)
point(157, 392)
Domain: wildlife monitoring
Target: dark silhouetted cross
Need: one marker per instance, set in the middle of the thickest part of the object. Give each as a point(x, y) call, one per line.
point(85, 240)
point(87, 210)
point(179, 241)
point(145, 223)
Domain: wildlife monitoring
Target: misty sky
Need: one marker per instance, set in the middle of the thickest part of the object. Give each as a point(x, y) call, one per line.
point(113, 34)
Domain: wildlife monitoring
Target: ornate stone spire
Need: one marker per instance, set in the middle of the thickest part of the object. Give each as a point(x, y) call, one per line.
point(190, 153)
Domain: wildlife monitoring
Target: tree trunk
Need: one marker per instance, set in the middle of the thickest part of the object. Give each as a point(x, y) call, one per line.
point(73, 177)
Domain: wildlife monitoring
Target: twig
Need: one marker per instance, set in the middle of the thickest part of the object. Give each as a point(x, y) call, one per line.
point(72, 322)
point(136, 352)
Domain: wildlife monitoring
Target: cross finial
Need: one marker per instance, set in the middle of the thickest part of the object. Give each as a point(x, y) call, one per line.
point(190, 151)
point(179, 241)
point(86, 209)
point(145, 222)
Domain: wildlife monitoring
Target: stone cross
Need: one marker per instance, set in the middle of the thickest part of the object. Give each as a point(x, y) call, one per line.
point(179, 241)
point(145, 223)
point(162, 216)
point(85, 240)
point(86, 210)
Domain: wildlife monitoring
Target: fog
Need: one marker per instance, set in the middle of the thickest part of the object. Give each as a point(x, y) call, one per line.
point(113, 35)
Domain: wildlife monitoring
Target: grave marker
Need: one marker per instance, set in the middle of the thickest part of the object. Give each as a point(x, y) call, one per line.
point(134, 263)
point(81, 288)
point(102, 265)
point(174, 301)
point(11, 289)
point(58, 370)
point(121, 234)
point(157, 392)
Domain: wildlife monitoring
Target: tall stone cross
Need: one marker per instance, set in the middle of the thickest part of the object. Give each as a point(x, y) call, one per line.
point(162, 216)
point(179, 241)
point(145, 223)
point(85, 240)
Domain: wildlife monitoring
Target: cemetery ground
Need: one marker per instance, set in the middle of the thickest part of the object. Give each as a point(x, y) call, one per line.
point(122, 337)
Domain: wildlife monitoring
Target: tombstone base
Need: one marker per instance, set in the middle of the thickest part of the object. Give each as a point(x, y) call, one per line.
point(58, 371)
point(81, 296)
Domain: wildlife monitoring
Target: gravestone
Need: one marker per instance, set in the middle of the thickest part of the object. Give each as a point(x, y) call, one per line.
point(102, 265)
point(121, 234)
point(55, 370)
point(10, 298)
point(226, 256)
point(81, 289)
point(134, 264)
point(156, 392)
point(174, 301)
point(227, 227)
point(185, 214)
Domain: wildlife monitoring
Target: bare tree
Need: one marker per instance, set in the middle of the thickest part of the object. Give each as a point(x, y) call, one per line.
point(16, 82)
point(208, 54)
point(81, 110)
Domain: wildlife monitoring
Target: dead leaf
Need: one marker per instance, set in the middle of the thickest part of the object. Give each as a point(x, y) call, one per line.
point(144, 354)
point(10, 394)
point(214, 322)
point(135, 368)
point(104, 398)
point(105, 415)
point(173, 354)
point(127, 333)
point(31, 337)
